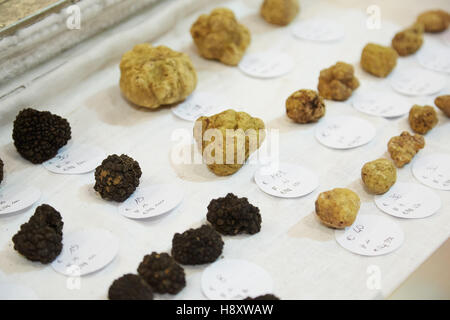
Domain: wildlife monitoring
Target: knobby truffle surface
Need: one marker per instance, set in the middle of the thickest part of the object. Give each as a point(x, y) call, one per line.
point(443, 103)
point(404, 147)
point(422, 119)
point(337, 82)
point(117, 177)
point(434, 20)
point(408, 41)
point(155, 76)
point(38, 135)
point(231, 215)
point(280, 12)
point(162, 273)
point(219, 36)
point(305, 106)
point(379, 175)
point(130, 287)
point(40, 239)
point(197, 246)
point(226, 132)
point(338, 208)
point(378, 60)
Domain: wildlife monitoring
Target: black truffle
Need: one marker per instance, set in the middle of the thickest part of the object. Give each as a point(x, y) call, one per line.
point(264, 297)
point(197, 246)
point(117, 177)
point(232, 215)
point(38, 135)
point(162, 273)
point(40, 239)
point(130, 287)
point(1, 170)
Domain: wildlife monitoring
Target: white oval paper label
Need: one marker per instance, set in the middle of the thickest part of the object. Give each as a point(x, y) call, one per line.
point(286, 180)
point(371, 235)
point(318, 30)
point(231, 279)
point(433, 170)
point(15, 198)
point(435, 58)
point(387, 106)
point(409, 200)
point(196, 105)
point(86, 251)
point(75, 159)
point(269, 64)
point(344, 132)
point(152, 201)
point(417, 81)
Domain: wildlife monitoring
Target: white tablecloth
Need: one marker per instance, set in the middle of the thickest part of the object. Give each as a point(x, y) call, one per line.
point(300, 254)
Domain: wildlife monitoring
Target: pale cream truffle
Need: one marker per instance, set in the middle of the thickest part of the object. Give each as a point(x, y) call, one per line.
point(379, 175)
point(338, 208)
point(154, 76)
point(280, 12)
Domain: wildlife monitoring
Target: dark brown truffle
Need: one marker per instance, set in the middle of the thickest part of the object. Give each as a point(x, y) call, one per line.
point(1, 170)
point(130, 287)
point(162, 273)
point(38, 135)
point(117, 177)
point(40, 239)
point(232, 215)
point(197, 246)
point(264, 297)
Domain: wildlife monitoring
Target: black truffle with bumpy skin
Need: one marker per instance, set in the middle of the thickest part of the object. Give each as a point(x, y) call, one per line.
point(38, 135)
point(162, 273)
point(130, 287)
point(197, 246)
point(117, 177)
point(40, 239)
point(264, 297)
point(1, 170)
point(231, 215)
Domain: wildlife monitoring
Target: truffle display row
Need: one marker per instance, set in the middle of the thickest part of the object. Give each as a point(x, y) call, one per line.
point(162, 272)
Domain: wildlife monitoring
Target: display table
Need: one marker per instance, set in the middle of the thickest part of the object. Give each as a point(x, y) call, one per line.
point(301, 255)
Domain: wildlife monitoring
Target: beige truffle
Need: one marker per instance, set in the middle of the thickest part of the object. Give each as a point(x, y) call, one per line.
point(408, 41)
point(245, 135)
point(280, 12)
point(219, 36)
point(338, 208)
point(404, 147)
point(337, 82)
point(443, 103)
point(422, 119)
point(379, 175)
point(434, 20)
point(378, 60)
point(155, 76)
point(304, 106)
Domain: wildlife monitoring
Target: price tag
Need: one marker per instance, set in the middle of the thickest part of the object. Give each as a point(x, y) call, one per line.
point(286, 180)
point(15, 198)
point(409, 200)
point(318, 30)
point(436, 58)
point(417, 81)
point(196, 105)
point(86, 251)
point(344, 132)
point(75, 160)
point(231, 279)
point(387, 106)
point(269, 64)
point(151, 201)
point(371, 235)
point(433, 170)
point(12, 291)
